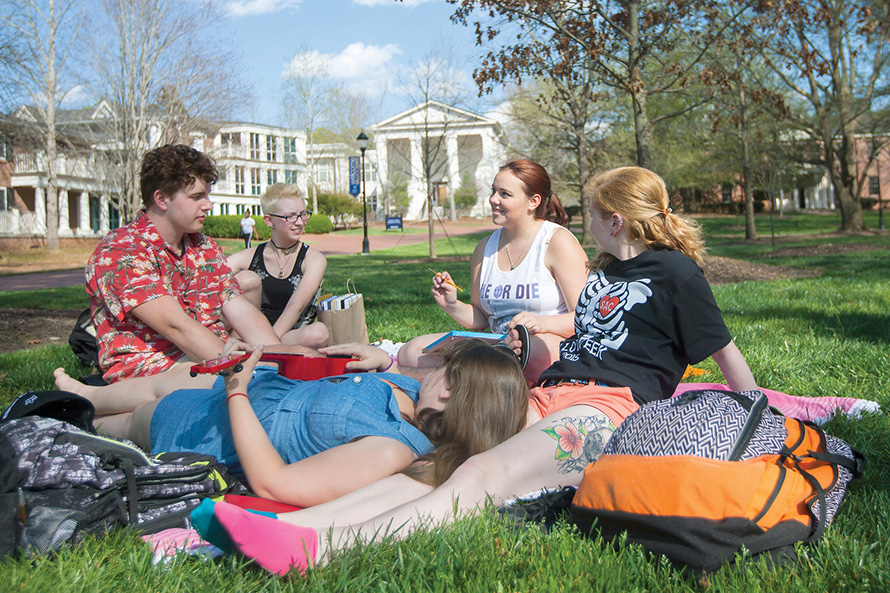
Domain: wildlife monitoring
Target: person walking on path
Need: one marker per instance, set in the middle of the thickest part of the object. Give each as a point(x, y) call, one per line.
point(248, 229)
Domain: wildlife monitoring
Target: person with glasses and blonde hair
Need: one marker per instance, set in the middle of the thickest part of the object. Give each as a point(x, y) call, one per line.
point(283, 277)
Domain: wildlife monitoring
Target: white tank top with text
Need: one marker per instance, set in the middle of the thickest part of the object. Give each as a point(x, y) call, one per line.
point(529, 287)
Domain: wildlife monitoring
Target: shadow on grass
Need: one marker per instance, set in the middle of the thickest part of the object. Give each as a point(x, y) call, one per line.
point(867, 327)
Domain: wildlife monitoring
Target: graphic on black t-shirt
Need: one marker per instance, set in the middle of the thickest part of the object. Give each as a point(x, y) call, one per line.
point(599, 319)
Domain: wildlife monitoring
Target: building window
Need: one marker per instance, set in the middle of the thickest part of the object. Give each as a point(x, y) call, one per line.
point(271, 148)
point(290, 177)
point(6, 198)
point(370, 172)
point(5, 149)
point(239, 180)
point(271, 176)
point(325, 172)
point(230, 138)
point(221, 172)
point(254, 146)
point(290, 150)
point(255, 180)
point(874, 185)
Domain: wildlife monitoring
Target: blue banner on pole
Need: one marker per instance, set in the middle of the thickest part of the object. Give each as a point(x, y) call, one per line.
point(355, 176)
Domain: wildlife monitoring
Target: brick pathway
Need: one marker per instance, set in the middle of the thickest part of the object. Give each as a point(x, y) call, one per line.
point(339, 244)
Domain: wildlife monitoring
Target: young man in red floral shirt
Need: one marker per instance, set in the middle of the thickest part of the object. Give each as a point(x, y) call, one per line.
point(161, 291)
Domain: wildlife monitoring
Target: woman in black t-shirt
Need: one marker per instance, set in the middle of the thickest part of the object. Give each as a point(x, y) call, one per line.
point(647, 310)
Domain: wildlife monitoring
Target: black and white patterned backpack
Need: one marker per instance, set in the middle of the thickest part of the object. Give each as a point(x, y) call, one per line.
point(704, 475)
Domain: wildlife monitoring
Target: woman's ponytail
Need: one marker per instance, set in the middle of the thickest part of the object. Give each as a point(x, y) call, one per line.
point(551, 209)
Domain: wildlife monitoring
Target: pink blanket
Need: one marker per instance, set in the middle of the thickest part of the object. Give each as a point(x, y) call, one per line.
point(814, 409)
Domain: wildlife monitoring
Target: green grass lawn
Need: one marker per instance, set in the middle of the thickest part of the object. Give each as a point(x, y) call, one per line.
point(821, 336)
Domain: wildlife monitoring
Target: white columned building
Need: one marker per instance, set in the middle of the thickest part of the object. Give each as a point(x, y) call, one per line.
point(437, 145)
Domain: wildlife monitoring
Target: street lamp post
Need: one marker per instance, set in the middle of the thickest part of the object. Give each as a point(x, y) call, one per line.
point(363, 146)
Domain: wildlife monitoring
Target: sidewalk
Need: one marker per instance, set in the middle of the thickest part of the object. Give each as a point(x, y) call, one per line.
point(339, 244)
point(328, 244)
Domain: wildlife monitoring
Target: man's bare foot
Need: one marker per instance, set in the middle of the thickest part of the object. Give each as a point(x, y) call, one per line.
point(66, 382)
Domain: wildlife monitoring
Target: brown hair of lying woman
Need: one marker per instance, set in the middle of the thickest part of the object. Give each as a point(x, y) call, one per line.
point(488, 405)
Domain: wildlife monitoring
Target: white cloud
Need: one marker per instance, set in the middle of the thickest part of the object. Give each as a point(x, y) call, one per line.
point(76, 96)
point(363, 67)
point(392, 2)
point(251, 7)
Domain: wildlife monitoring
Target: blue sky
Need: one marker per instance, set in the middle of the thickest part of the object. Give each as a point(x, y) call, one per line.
point(369, 44)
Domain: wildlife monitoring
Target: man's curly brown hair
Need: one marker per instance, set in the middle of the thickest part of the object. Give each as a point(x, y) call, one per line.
point(172, 167)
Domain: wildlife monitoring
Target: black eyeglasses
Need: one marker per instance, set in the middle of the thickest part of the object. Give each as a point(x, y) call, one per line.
point(292, 218)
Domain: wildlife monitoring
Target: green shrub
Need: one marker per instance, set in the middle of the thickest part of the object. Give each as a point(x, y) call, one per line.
point(340, 208)
point(466, 195)
point(229, 226)
point(868, 203)
point(318, 224)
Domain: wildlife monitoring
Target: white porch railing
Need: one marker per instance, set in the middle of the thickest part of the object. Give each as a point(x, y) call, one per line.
point(15, 222)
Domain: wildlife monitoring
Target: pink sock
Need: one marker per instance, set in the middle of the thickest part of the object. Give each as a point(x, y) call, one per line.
point(275, 545)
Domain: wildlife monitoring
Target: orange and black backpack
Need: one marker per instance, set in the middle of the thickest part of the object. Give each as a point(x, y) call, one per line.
point(705, 475)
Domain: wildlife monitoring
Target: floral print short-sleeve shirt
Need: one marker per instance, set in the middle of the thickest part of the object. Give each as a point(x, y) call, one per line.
point(133, 265)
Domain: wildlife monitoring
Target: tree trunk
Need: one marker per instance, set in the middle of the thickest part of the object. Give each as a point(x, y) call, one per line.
point(583, 173)
point(52, 183)
point(51, 90)
point(750, 228)
point(840, 163)
point(637, 88)
point(432, 230)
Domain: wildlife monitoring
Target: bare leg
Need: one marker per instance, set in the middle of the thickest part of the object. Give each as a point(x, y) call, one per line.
point(315, 335)
point(133, 425)
point(524, 463)
point(360, 505)
point(127, 395)
point(251, 286)
point(411, 355)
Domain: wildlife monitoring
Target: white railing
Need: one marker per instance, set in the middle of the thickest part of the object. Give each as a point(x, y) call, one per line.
point(74, 166)
point(15, 222)
point(26, 162)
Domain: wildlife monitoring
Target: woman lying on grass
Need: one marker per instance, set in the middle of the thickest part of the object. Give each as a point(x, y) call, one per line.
point(307, 442)
point(645, 314)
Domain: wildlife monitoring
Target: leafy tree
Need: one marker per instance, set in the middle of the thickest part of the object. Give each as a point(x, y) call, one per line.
point(640, 48)
point(398, 192)
point(466, 196)
point(340, 208)
point(571, 128)
point(832, 59)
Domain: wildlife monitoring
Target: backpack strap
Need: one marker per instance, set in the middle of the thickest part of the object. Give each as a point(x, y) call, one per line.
point(129, 469)
point(792, 452)
point(820, 518)
point(755, 417)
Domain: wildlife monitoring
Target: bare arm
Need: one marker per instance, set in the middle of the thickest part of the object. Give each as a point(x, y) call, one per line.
point(315, 479)
point(567, 261)
point(471, 315)
point(166, 316)
point(370, 358)
point(314, 266)
point(241, 261)
point(735, 369)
